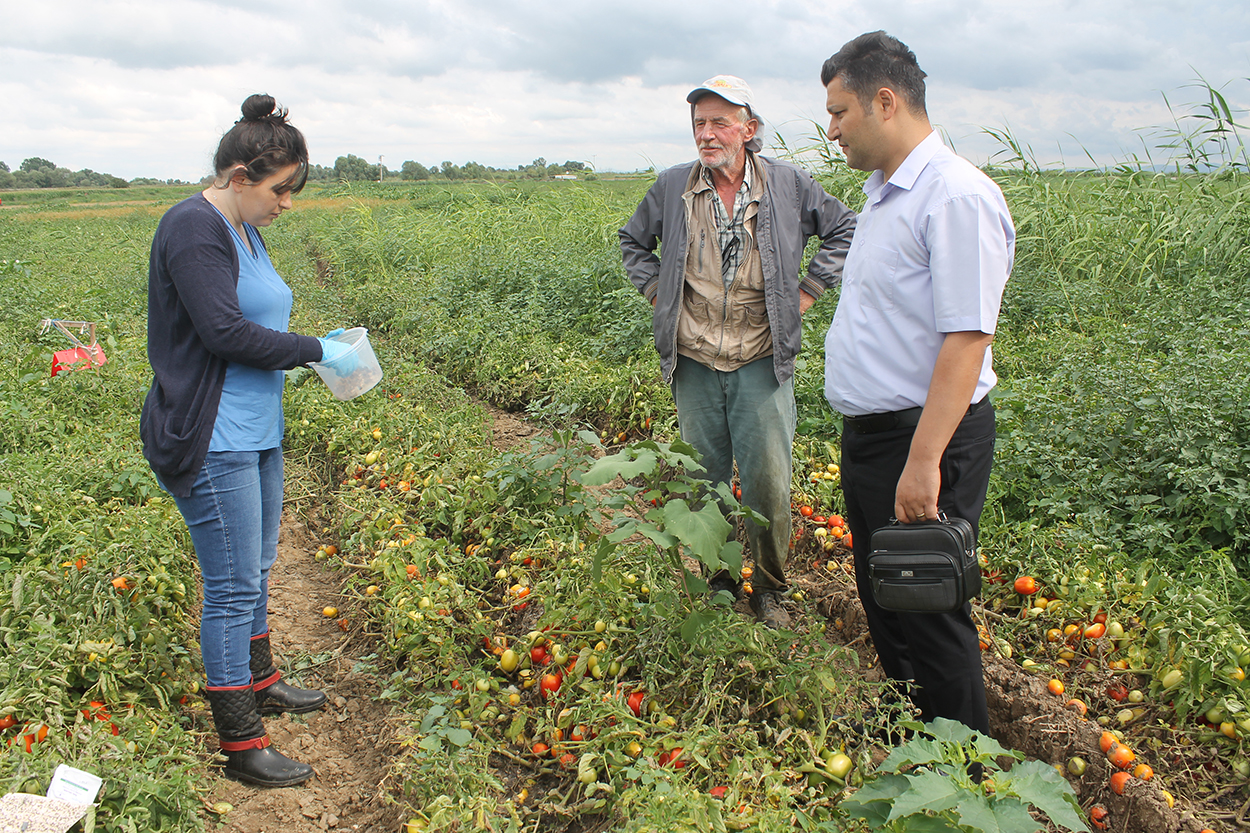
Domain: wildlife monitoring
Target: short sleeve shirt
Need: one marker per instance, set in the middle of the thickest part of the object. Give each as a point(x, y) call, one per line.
point(250, 415)
point(931, 254)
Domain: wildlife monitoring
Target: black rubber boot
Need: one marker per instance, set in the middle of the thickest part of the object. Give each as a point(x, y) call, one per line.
point(249, 757)
point(272, 695)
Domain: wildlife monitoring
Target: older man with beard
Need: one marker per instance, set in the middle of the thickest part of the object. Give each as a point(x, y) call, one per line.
point(728, 297)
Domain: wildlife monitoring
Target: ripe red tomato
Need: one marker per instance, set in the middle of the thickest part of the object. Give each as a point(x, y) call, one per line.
point(806, 511)
point(819, 520)
point(8, 721)
point(1026, 585)
point(538, 655)
point(1095, 631)
point(1117, 692)
point(836, 520)
point(718, 792)
point(550, 684)
point(635, 702)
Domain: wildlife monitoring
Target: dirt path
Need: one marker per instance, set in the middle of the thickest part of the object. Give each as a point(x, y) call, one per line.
point(347, 742)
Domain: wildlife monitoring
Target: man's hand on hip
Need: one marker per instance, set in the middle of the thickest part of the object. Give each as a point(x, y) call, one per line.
point(805, 301)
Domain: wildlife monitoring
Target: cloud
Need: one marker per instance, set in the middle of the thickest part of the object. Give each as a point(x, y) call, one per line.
point(136, 87)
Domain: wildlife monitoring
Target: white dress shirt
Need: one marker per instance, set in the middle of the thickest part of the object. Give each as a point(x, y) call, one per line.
point(931, 254)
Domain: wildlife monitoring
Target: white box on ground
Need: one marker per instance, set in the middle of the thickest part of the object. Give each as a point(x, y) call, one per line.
point(74, 785)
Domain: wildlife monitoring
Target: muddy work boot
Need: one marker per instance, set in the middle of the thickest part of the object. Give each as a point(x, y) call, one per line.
point(244, 742)
point(766, 604)
point(272, 695)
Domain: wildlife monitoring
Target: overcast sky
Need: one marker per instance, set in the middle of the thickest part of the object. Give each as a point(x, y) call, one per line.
point(145, 88)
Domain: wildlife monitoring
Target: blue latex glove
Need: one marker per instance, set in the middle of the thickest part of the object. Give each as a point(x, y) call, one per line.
point(334, 333)
point(339, 355)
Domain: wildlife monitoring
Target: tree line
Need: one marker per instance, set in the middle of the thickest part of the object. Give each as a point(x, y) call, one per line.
point(37, 172)
point(352, 168)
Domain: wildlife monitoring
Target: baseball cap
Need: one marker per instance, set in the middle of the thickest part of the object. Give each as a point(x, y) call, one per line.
point(734, 90)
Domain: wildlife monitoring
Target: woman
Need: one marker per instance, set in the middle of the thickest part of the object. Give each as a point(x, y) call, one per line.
point(212, 421)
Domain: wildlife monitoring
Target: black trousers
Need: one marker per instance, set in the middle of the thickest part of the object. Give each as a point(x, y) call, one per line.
point(938, 652)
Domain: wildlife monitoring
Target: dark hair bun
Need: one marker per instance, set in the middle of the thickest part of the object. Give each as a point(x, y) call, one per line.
point(259, 107)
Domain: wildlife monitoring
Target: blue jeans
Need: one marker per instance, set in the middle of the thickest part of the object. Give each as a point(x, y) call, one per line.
point(233, 514)
point(744, 415)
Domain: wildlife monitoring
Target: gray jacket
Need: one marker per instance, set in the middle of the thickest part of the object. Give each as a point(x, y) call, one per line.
point(794, 207)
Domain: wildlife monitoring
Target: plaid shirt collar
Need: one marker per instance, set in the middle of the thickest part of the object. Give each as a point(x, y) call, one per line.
point(731, 231)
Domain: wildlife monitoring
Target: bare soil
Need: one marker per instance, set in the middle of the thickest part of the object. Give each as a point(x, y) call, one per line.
point(348, 743)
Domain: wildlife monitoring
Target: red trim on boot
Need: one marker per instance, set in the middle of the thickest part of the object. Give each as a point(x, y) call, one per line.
point(261, 685)
point(260, 636)
point(227, 687)
point(239, 745)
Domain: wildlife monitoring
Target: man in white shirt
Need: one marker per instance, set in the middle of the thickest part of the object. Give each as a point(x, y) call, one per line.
point(907, 357)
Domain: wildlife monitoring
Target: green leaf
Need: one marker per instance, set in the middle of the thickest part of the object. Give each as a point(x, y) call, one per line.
point(661, 538)
point(605, 469)
point(682, 453)
point(1040, 785)
point(731, 556)
point(928, 791)
point(943, 728)
point(1005, 815)
point(704, 530)
point(690, 628)
point(460, 737)
point(602, 552)
point(931, 824)
point(988, 750)
point(431, 743)
point(872, 802)
point(919, 750)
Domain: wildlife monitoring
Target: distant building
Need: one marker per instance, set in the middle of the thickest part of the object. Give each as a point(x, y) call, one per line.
point(566, 176)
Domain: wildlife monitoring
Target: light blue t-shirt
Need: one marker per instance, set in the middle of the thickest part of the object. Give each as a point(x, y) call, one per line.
point(250, 415)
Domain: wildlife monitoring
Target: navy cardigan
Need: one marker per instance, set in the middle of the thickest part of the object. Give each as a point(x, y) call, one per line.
point(194, 329)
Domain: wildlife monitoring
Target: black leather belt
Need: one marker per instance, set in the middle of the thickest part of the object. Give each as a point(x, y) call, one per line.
point(889, 420)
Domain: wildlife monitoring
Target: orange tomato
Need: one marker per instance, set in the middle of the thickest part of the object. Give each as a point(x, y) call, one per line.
point(806, 511)
point(1095, 631)
point(1055, 687)
point(1121, 756)
point(1118, 781)
point(1025, 585)
point(1107, 741)
point(1143, 771)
